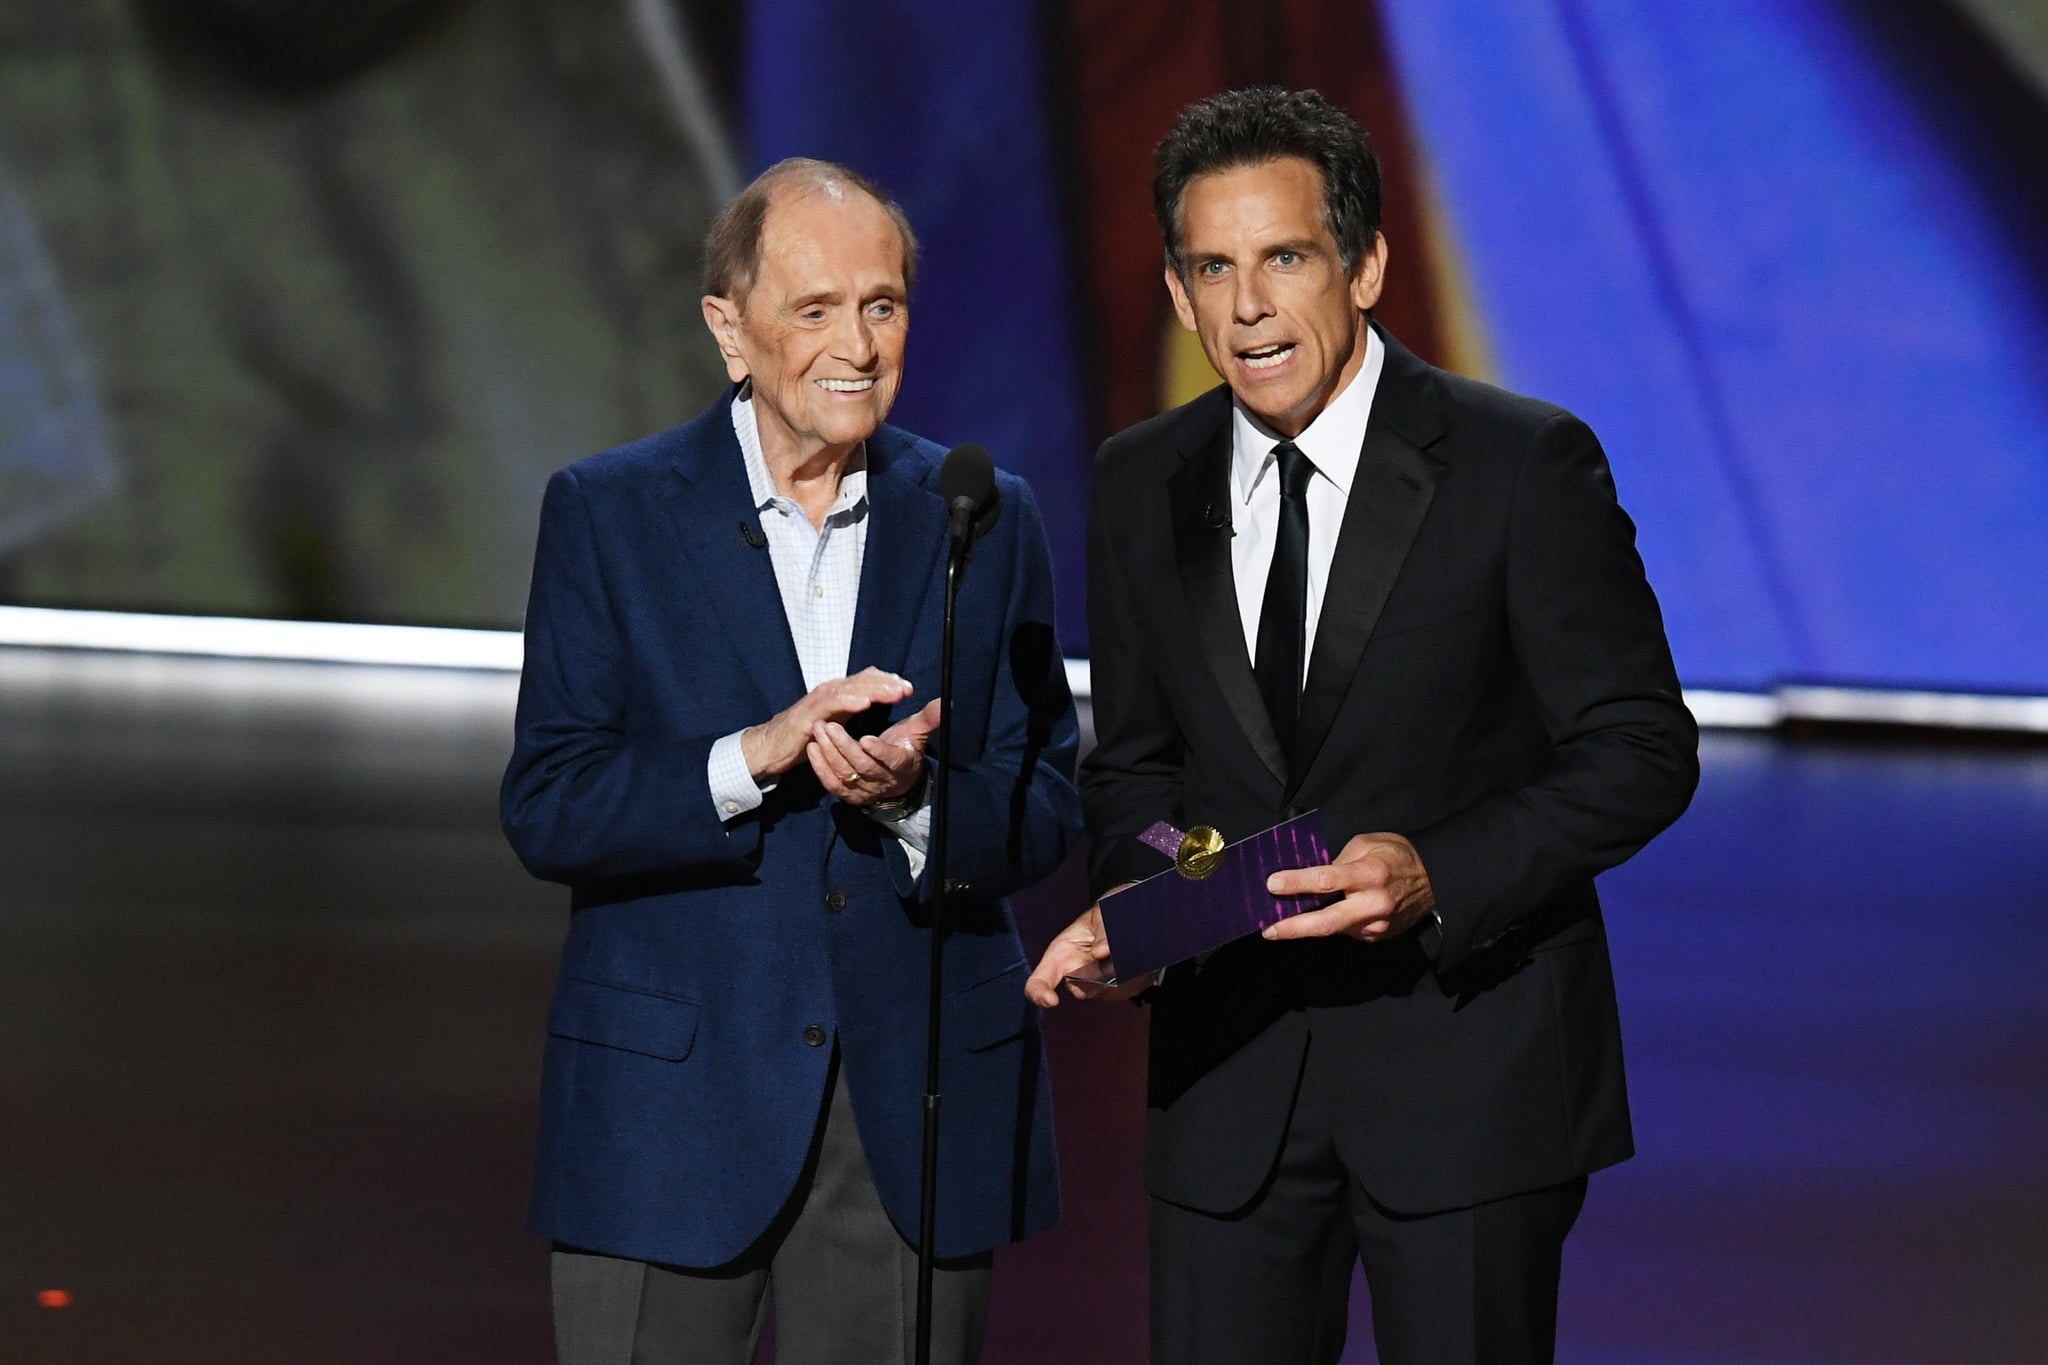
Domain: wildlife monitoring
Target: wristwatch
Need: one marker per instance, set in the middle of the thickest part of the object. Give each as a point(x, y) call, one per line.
point(909, 801)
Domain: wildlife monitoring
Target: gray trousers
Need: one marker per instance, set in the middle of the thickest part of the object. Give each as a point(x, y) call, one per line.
point(841, 1279)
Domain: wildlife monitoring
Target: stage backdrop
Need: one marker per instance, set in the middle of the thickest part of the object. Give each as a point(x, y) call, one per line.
point(300, 300)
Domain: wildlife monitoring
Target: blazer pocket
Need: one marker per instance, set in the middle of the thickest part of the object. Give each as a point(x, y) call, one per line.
point(990, 1012)
point(631, 1020)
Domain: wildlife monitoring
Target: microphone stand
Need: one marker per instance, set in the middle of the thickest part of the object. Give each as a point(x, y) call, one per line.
point(927, 1222)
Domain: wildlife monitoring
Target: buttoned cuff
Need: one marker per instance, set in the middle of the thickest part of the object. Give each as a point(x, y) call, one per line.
point(733, 789)
point(913, 828)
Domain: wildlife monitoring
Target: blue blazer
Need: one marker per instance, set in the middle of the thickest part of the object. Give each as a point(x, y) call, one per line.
point(682, 1078)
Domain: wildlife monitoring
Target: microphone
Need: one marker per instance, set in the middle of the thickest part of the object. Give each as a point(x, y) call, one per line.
point(752, 539)
point(967, 481)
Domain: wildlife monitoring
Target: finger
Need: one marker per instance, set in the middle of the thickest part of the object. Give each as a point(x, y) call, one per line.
point(879, 685)
point(1044, 983)
point(1310, 924)
point(915, 729)
point(894, 755)
point(1309, 881)
point(1348, 916)
point(903, 768)
point(850, 696)
point(847, 775)
point(1364, 872)
point(1369, 868)
point(846, 701)
point(828, 776)
point(850, 756)
point(1340, 918)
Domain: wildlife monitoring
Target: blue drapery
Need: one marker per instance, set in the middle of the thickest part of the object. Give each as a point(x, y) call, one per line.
point(1741, 247)
point(941, 103)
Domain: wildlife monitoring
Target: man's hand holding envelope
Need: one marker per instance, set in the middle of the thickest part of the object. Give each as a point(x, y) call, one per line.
point(1280, 883)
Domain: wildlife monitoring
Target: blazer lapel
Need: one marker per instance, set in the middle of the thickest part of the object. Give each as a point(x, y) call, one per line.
point(719, 530)
point(1390, 495)
point(905, 553)
point(1199, 497)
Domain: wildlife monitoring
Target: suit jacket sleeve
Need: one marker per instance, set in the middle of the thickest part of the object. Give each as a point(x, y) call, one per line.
point(580, 801)
point(1589, 637)
point(1015, 814)
point(1132, 777)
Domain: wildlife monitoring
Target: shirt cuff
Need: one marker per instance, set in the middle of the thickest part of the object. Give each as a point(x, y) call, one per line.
point(913, 828)
point(733, 789)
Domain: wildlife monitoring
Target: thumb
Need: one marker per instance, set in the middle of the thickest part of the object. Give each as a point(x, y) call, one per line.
point(913, 731)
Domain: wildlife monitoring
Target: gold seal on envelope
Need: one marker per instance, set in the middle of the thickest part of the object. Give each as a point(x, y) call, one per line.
point(1200, 852)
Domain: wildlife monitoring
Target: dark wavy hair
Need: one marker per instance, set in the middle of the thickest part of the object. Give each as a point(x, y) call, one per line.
point(1265, 123)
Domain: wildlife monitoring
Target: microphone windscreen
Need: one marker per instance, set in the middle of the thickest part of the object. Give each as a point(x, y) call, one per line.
point(968, 473)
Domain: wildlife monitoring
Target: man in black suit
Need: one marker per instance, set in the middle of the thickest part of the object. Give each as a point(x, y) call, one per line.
point(1349, 582)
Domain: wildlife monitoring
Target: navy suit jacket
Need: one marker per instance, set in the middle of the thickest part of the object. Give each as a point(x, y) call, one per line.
point(682, 1081)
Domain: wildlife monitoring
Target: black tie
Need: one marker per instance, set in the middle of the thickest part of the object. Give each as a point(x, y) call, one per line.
point(1283, 619)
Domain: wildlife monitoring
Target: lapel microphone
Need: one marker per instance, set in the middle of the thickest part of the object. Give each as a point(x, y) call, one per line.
point(1218, 518)
point(752, 539)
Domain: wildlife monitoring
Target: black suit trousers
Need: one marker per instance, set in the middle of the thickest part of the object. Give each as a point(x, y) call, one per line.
point(1270, 1283)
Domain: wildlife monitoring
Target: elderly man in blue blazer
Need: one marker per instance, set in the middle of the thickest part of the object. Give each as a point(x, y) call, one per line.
point(732, 659)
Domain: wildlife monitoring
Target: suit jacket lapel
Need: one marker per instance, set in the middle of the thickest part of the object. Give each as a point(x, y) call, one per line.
point(905, 553)
point(711, 504)
point(1390, 495)
point(1199, 496)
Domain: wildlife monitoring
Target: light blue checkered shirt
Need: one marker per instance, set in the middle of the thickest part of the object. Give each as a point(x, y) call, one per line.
point(818, 573)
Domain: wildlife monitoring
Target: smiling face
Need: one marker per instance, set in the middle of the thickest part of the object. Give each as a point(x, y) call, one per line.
point(1267, 292)
point(821, 329)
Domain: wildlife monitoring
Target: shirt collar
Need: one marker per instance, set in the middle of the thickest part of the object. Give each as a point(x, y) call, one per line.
point(853, 480)
point(1332, 441)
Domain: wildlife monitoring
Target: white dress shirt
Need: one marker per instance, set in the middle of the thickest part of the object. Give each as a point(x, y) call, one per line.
point(1332, 443)
point(817, 570)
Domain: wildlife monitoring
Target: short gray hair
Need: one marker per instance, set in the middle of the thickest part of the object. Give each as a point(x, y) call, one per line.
point(732, 248)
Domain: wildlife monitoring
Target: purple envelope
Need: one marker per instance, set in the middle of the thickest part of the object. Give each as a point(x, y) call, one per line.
point(1172, 917)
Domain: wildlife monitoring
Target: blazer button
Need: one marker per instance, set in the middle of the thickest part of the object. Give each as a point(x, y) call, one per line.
point(835, 899)
point(814, 1034)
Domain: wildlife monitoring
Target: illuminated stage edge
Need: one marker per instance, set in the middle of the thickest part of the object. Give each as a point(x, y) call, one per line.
point(498, 651)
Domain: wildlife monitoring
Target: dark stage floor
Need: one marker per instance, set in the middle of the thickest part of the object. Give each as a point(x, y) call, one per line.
point(272, 989)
